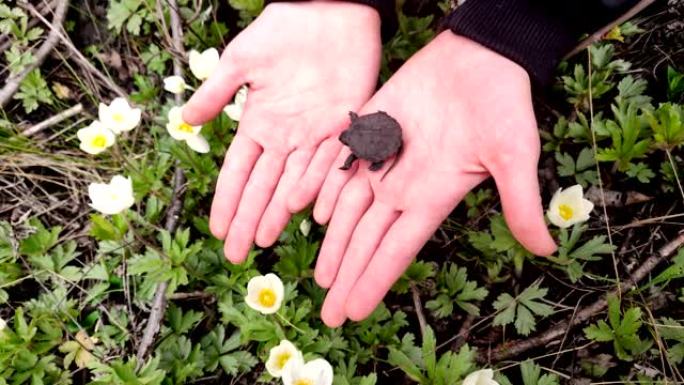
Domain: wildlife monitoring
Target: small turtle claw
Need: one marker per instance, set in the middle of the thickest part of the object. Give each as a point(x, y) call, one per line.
point(348, 163)
point(375, 166)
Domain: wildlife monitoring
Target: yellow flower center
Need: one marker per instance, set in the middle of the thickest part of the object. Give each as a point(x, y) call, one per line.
point(565, 212)
point(99, 141)
point(282, 359)
point(118, 117)
point(303, 381)
point(185, 128)
point(267, 298)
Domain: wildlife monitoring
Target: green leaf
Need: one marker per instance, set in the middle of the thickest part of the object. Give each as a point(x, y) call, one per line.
point(522, 309)
point(401, 360)
point(119, 12)
point(599, 332)
point(531, 375)
point(40, 241)
point(33, 91)
point(675, 83)
point(429, 352)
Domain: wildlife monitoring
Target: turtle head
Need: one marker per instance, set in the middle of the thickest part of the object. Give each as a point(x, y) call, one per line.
point(344, 137)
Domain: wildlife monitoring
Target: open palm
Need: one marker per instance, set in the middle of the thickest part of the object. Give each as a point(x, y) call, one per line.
point(307, 65)
point(466, 114)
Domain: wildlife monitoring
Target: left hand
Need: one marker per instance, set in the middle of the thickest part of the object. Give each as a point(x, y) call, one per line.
point(466, 113)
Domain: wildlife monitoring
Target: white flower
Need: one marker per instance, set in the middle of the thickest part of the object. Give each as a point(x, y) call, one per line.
point(316, 372)
point(568, 207)
point(305, 227)
point(175, 84)
point(280, 355)
point(95, 138)
point(202, 65)
point(112, 198)
point(3, 324)
point(119, 116)
point(198, 144)
point(265, 293)
point(480, 377)
point(234, 110)
point(180, 130)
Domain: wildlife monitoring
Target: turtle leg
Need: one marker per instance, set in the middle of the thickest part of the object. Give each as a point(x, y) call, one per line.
point(375, 166)
point(348, 163)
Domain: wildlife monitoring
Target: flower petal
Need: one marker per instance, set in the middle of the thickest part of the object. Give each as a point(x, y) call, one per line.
point(198, 143)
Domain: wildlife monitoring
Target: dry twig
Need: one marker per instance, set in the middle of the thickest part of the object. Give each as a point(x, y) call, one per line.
point(13, 82)
point(514, 348)
point(66, 114)
point(159, 305)
point(43, 8)
point(82, 60)
point(598, 35)
point(419, 309)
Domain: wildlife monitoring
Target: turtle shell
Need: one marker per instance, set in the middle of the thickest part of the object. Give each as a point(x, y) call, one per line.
point(373, 137)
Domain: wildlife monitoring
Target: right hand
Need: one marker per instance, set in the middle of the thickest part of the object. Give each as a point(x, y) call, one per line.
point(307, 65)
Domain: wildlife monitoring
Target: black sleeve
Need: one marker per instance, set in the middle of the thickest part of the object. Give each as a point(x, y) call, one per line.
point(386, 9)
point(533, 33)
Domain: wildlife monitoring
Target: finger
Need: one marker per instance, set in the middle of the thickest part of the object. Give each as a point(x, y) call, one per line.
point(518, 187)
point(215, 93)
point(312, 180)
point(365, 240)
point(255, 197)
point(354, 201)
point(333, 185)
point(237, 166)
point(398, 248)
point(277, 215)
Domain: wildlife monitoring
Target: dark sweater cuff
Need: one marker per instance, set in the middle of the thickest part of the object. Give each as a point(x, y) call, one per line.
point(519, 30)
point(386, 9)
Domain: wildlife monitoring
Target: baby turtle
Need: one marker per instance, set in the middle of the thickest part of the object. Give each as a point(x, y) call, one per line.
point(374, 137)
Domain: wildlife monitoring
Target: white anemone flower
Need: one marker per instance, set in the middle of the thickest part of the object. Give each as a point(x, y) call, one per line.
point(568, 207)
point(175, 84)
point(265, 293)
point(234, 109)
point(480, 377)
point(119, 116)
point(280, 355)
point(198, 144)
point(316, 372)
point(180, 130)
point(95, 138)
point(113, 197)
point(202, 65)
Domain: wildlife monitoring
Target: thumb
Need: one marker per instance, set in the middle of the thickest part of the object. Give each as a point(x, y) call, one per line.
point(215, 93)
point(518, 187)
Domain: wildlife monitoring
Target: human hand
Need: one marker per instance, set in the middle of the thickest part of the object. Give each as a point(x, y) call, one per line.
point(307, 65)
point(466, 113)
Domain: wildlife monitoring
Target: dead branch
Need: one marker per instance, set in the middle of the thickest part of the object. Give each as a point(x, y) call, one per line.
point(13, 81)
point(159, 305)
point(82, 60)
point(66, 114)
point(190, 295)
point(598, 35)
point(419, 309)
point(43, 8)
point(463, 333)
point(514, 348)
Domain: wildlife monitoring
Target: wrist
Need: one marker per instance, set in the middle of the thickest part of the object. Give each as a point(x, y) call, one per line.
point(464, 55)
point(384, 10)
